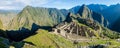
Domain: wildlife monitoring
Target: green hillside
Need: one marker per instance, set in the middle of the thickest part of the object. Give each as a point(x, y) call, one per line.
point(49, 40)
point(38, 15)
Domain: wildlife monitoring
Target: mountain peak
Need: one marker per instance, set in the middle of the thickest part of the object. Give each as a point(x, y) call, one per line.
point(68, 18)
point(84, 11)
point(27, 7)
point(83, 5)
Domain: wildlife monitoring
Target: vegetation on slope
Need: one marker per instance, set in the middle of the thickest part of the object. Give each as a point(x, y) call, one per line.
point(48, 40)
point(111, 34)
point(38, 15)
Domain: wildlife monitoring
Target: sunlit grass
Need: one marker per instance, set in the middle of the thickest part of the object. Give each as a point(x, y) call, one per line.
point(48, 40)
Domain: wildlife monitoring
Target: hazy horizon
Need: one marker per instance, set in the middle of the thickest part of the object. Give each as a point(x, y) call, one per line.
point(60, 4)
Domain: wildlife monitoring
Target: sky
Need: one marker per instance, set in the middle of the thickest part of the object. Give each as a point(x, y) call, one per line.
point(60, 4)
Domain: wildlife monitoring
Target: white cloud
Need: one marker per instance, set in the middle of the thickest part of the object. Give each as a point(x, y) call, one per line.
point(7, 7)
point(5, 2)
point(25, 2)
point(16, 4)
point(33, 2)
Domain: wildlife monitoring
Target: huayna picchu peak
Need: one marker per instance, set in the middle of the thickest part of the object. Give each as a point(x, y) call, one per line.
point(85, 12)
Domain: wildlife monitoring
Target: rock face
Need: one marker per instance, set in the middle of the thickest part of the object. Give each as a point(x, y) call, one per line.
point(75, 26)
point(40, 16)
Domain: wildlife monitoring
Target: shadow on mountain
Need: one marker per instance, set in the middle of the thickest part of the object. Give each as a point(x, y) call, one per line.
point(22, 33)
point(49, 28)
point(3, 33)
point(97, 46)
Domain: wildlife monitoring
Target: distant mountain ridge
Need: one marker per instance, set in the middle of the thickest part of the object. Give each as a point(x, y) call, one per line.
point(110, 13)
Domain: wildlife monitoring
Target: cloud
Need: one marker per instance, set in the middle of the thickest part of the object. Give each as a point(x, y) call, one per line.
point(61, 4)
point(25, 2)
point(10, 4)
point(18, 4)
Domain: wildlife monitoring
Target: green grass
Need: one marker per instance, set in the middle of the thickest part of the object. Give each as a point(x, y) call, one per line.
point(47, 40)
point(113, 43)
point(90, 43)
